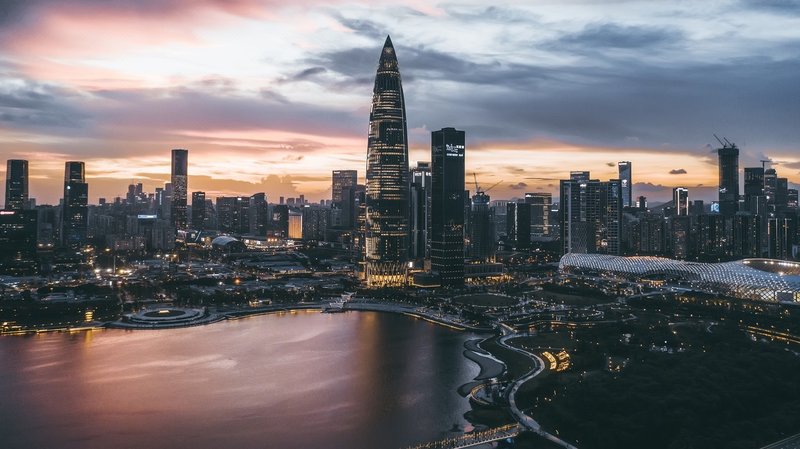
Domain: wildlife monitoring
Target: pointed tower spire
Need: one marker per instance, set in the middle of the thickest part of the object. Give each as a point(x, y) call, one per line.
point(387, 196)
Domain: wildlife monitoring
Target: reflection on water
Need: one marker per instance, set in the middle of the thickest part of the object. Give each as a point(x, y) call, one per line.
point(352, 380)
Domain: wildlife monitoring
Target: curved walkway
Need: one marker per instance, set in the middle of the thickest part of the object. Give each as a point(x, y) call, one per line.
point(527, 421)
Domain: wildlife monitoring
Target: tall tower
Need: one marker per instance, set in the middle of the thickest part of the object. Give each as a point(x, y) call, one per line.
point(74, 219)
point(728, 179)
point(447, 205)
point(387, 190)
point(626, 181)
point(180, 166)
point(420, 211)
point(16, 184)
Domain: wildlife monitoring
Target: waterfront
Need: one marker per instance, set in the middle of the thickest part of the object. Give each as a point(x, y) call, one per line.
point(300, 379)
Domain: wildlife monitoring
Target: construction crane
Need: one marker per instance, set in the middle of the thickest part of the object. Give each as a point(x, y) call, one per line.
point(764, 163)
point(478, 187)
point(726, 144)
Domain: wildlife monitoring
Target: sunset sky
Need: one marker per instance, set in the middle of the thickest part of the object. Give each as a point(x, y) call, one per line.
point(270, 96)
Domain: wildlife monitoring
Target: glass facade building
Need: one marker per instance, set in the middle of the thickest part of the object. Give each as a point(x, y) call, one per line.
point(180, 166)
point(447, 205)
point(16, 184)
point(386, 229)
point(75, 214)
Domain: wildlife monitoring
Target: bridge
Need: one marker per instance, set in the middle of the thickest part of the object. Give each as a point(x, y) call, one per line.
point(473, 438)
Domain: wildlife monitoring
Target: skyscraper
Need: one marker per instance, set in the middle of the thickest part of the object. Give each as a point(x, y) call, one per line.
point(16, 184)
point(340, 179)
point(420, 208)
point(74, 218)
point(386, 227)
point(180, 166)
point(518, 225)
point(626, 181)
point(728, 179)
point(753, 186)
point(447, 205)
point(482, 231)
point(579, 212)
point(540, 212)
point(199, 210)
point(680, 200)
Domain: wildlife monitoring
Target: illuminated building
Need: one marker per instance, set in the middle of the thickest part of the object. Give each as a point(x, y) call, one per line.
point(295, 225)
point(16, 184)
point(420, 210)
point(343, 184)
point(259, 214)
point(233, 214)
point(199, 210)
point(579, 210)
point(482, 235)
point(279, 226)
point(387, 189)
point(680, 200)
point(753, 186)
point(626, 182)
point(75, 214)
point(179, 180)
point(18, 242)
point(728, 179)
point(447, 205)
point(540, 212)
point(518, 225)
point(757, 279)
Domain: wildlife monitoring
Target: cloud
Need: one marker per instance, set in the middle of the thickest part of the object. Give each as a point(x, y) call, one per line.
point(518, 186)
point(615, 36)
point(677, 171)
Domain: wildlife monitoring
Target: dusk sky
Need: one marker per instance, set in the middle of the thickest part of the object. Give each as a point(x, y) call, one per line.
point(270, 96)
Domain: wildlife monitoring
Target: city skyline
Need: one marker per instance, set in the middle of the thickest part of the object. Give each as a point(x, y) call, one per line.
point(270, 123)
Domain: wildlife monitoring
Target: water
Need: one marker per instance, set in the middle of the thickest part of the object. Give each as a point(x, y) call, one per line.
point(304, 380)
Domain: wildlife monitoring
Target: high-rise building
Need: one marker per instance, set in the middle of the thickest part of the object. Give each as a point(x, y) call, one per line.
point(16, 184)
point(280, 221)
point(626, 181)
point(315, 222)
point(728, 179)
point(294, 224)
point(180, 169)
point(482, 235)
point(781, 194)
point(680, 200)
point(259, 214)
point(518, 225)
point(387, 195)
point(609, 220)
point(579, 211)
point(540, 212)
point(340, 179)
point(75, 215)
point(770, 185)
point(420, 208)
point(18, 242)
point(233, 214)
point(447, 205)
point(199, 210)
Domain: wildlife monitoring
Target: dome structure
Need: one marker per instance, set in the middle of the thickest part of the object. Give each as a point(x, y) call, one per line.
point(757, 279)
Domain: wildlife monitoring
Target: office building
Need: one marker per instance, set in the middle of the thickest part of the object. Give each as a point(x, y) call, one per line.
point(540, 202)
point(199, 210)
point(626, 182)
point(18, 231)
point(420, 208)
point(16, 184)
point(179, 180)
point(447, 205)
point(386, 230)
point(728, 179)
point(680, 201)
point(75, 214)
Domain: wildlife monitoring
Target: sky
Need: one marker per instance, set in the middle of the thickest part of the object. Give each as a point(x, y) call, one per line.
point(270, 96)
